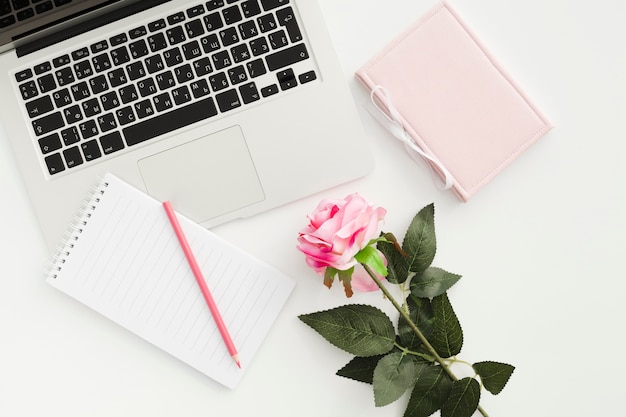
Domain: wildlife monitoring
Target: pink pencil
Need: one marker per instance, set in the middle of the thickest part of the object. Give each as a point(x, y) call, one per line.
point(201, 282)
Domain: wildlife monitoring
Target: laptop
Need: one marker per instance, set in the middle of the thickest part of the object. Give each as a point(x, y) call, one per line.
point(226, 107)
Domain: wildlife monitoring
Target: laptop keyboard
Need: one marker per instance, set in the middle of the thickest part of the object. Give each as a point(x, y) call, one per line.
point(15, 11)
point(96, 101)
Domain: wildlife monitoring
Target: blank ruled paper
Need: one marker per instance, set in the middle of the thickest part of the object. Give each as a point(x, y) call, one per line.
point(123, 260)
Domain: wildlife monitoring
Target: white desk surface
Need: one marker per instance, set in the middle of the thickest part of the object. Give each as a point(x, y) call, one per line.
point(541, 251)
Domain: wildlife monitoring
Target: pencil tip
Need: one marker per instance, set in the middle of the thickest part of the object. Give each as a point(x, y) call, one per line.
point(236, 358)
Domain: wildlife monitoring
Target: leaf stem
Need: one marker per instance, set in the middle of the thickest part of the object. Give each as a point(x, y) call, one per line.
point(444, 364)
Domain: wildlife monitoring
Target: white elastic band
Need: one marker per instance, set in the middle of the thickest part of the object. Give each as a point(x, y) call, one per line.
point(390, 119)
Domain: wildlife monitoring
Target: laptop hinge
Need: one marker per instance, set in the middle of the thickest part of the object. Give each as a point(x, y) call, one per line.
point(86, 26)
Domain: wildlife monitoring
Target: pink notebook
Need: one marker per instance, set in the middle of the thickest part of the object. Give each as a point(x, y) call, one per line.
point(460, 108)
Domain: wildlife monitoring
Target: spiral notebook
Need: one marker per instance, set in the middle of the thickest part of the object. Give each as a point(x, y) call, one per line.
point(121, 258)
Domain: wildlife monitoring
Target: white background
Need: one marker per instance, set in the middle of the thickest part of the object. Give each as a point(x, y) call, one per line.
point(541, 250)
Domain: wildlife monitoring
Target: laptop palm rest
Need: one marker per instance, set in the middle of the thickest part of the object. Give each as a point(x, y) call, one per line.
point(206, 177)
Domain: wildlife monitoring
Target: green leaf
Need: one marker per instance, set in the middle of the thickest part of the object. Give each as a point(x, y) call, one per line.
point(392, 377)
point(420, 242)
point(447, 336)
point(371, 257)
point(421, 314)
point(494, 375)
point(430, 392)
point(463, 400)
point(361, 330)
point(397, 263)
point(433, 282)
point(360, 368)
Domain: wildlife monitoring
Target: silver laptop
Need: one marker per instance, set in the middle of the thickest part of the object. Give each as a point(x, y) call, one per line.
point(225, 107)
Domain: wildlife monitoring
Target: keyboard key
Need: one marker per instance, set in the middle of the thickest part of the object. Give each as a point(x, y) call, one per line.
point(72, 157)
point(249, 93)
point(210, 43)
point(214, 4)
point(70, 136)
point(267, 23)
point(73, 114)
point(128, 94)
point(168, 122)
point(195, 11)
point(125, 115)
point(231, 15)
point(307, 77)
point(272, 4)
point(109, 101)
point(50, 143)
point(101, 62)
point(286, 79)
point(213, 21)
point(80, 91)
point(270, 90)
point(256, 68)
point(117, 77)
point(200, 88)
point(48, 123)
point(91, 150)
point(163, 102)
point(157, 42)
point(47, 83)
point(39, 106)
point(23, 75)
point(287, 19)
point(43, 67)
point(181, 95)
point(229, 36)
point(64, 76)
point(91, 107)
point(154, 64)
point(99, 47)
point(287, 57)
point(228, 100)
point(144, 109)
point(278, 39)
point(194, 28)
point(218, 81)
point(111, 143)
point(80, 54)
point(248, 29)
point(157, 25)
point(221, 60)
point(259, 46)
point(118, 39)
point(176, 35)
point(98, 84)
point(60, 61)
point(237, 75)
point(176, 18)
point(138, 49)
point(44, 7)
point(83, 70)
point(120, 56)
point(54, 163)
point(88, 129)
point(250, 8)
point(62, 98)
point(137, 32)
point(28, 90)
point(107, 122)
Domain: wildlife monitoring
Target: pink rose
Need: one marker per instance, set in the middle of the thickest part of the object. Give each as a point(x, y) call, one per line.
point(337, 231)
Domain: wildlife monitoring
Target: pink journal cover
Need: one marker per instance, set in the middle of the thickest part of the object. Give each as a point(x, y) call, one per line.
point(454, 100)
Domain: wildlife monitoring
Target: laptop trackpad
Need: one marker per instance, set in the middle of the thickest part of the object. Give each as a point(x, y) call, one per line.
point(206, 177)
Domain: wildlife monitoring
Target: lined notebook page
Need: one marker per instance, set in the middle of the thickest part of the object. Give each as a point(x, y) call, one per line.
point(123, 259)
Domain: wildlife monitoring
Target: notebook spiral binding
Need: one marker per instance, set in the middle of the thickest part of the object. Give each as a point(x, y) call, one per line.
point(76, 227)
